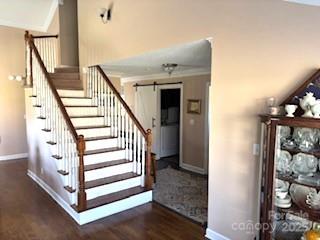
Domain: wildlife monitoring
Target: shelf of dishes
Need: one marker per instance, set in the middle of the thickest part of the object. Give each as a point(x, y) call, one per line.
point(297, 211)
point(308, 181)
point(297, 199)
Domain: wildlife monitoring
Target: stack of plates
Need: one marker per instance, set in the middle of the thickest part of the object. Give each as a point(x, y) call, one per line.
point(283, 203)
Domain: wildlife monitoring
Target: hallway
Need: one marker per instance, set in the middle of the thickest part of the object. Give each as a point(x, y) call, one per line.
point(27, 212)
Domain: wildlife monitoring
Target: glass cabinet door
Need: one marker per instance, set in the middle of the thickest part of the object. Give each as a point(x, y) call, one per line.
point(295, 209)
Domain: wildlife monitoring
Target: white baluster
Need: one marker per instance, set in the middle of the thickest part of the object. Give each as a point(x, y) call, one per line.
point(139, 152)
point(122, 127)
point(143, 160)
point(135, 150)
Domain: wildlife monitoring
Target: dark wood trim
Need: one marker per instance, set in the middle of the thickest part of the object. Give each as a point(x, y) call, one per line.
point(46, 36)
point(82, 196)
point(124, 104)
point(300, 89)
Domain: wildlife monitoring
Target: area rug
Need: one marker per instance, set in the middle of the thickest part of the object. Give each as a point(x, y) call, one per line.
point(182, 192)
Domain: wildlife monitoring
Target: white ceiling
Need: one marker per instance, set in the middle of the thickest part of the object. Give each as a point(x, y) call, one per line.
point(192, 58)
point(307, 2)
point(27, 14)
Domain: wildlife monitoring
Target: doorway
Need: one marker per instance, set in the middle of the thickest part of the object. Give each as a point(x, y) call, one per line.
point(170, 99)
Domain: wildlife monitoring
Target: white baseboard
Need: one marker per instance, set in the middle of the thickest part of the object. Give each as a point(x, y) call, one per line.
point(55, 196)
point(96, 213)
point(13, 156)
point(115, 207)
point(192, 168)
point(212, 235)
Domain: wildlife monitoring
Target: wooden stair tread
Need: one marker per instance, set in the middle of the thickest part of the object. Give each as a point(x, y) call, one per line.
point(91, 127)
point(84, 106)
point(98, 138)
point(113, 197)
point(65, 75)
point(75, 97)
point(103, 150)
point(69, 88)
point(87, 116)
point(67, 69)
point(108, 180)
point(105, 164)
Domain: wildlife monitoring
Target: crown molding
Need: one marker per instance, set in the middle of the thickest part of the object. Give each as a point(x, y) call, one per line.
point(39, 28)
point(52, 10)
point(188, 73)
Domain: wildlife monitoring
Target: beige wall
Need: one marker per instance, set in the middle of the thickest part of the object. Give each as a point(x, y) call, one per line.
point(261, 48)
point(193, 141)
point(12, 123)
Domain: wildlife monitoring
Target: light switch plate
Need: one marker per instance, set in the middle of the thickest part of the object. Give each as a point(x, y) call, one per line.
point(256, 149)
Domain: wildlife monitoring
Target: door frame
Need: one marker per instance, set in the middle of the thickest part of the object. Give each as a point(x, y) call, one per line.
point(158, 120)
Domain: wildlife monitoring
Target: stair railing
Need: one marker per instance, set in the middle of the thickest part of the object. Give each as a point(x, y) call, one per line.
point(47, 46)
point(70, 146)
point(123, 124)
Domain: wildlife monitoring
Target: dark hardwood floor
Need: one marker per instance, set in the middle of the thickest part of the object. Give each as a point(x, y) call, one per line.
point(28, 213)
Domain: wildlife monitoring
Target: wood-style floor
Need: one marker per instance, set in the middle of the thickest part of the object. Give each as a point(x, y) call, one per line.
point(28, 213)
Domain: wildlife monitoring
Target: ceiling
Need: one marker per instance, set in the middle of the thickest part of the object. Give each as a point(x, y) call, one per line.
point(27, 14)
point(307, 2)
point(192, 58)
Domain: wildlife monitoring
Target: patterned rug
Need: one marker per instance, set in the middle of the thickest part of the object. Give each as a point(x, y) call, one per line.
point(182, 192)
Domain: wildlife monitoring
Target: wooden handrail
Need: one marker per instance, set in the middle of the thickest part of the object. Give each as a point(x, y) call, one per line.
point(53, 89)
point(124, 104)
point(46, 36)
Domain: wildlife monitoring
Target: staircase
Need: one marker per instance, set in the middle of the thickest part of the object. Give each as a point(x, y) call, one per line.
point(102, 153)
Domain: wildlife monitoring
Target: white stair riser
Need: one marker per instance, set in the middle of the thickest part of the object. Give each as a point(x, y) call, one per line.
point(112, 187)
point(102, 157)
point(94, 121)
point(82, 111)
point(115, 207)
point(94, 132)
point(71, 93)
point(77, 101)
point(105, 143)
point(108, 171)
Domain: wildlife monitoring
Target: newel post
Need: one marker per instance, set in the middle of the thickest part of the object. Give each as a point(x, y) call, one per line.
point(148, 180)
point(28, 38)
point(82, 197)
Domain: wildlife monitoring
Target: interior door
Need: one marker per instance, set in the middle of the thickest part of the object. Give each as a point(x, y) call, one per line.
point(146, 111)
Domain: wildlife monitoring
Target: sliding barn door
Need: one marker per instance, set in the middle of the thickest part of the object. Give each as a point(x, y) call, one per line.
point(146, 111)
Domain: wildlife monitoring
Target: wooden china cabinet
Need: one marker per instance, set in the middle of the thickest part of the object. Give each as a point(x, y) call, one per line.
point(283, 154)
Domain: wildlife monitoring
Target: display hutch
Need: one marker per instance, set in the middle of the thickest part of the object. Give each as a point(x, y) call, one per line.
point(290, 179)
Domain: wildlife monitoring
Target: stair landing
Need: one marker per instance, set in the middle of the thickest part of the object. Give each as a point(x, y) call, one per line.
point(67, 78)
